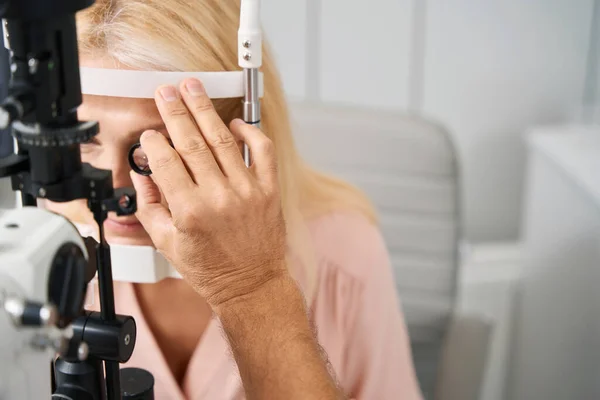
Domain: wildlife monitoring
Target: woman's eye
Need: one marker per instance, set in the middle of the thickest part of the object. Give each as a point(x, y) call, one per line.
point(92, 140)
point(89, 145)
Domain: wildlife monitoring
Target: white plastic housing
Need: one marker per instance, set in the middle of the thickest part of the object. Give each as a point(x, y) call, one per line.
point(250, 35)
point(137, 264)
point(140, 264)
point(5, 35)
point(29, 239)
point(143, 84)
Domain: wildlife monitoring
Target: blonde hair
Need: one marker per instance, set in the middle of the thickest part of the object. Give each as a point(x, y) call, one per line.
point(201, 35)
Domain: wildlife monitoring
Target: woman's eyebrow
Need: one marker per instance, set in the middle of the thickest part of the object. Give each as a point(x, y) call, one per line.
point(159, 126)
point(155, 127)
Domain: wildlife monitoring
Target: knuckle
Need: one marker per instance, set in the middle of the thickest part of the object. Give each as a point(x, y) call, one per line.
point(182, 225)
point(271, 194)
point(247, 190)
point(222, 138)
point(271, 197)
point(194, 146)
point(266, 147)
point(202, 106)
point(186, 219)
point(165, 160)
point(221, 200)
point(178, 110)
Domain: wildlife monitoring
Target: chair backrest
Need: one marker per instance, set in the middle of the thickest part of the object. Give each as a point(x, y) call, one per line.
point(408, 168)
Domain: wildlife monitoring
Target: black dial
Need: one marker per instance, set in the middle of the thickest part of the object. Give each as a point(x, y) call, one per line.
point(34, 136)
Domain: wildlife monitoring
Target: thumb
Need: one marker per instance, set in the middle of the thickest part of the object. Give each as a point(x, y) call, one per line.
point(152, 214)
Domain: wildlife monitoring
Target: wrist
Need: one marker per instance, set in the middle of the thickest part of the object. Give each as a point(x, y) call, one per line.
point(229, 286)
point(272, 338)
point(265, 297)
point(277, 305)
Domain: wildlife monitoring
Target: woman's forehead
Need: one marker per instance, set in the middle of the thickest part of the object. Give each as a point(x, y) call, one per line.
point(119, 109)
point(100, 107)
point(122, 117)
point(108, 103)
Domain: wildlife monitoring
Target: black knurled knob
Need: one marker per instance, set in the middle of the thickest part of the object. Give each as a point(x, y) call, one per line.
point(137, 384)
point(54, 137)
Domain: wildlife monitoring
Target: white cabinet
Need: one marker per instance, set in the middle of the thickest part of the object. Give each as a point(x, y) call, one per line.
point(557, 338)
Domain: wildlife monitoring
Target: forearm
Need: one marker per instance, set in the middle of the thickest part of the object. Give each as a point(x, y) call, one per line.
point(276, 349)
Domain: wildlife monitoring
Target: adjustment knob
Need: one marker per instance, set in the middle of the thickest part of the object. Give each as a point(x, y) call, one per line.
point(67, 282)
point(36, 136)
point(137, 384)
point(27, 313)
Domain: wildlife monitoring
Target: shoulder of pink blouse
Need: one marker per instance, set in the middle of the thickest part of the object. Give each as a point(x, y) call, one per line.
point(350, 241)
point(357, 310)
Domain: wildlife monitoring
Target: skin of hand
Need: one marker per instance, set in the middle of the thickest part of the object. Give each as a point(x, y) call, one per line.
point(222, 227)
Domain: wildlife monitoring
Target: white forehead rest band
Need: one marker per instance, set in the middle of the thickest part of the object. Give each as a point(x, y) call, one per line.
point(143, 84)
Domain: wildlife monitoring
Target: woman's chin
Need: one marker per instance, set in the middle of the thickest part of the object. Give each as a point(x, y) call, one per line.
point(128, 240)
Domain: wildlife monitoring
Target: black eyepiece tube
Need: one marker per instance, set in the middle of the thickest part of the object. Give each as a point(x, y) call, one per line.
point(29, 10)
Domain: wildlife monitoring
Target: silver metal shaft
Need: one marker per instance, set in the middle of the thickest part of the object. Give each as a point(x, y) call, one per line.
point(4, 119)
point(251, 105)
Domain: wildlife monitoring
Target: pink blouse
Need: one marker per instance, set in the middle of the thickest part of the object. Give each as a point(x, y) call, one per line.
point(356, 310)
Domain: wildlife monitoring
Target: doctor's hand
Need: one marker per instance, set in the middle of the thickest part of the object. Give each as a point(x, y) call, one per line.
point(222, 226)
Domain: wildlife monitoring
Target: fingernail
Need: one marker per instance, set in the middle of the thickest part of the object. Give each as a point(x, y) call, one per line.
point(238, 122)
point(195, 87)
point(147, 134)
point(168, 93)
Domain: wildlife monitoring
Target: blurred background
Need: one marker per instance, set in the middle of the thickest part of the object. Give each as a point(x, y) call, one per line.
point(487, 70)
point(473, 127)
point(513, 86)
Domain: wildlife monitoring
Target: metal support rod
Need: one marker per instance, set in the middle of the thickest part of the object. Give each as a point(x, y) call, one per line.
point(107, 299)
point(251, 104)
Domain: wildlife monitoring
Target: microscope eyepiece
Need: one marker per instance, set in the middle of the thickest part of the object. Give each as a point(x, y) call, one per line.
point(138, 161)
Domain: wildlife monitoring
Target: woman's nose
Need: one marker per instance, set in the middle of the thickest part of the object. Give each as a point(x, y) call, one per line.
point(120, 171)
point(116, 161)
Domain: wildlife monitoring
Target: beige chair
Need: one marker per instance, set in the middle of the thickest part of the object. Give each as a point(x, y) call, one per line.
point(408, 168)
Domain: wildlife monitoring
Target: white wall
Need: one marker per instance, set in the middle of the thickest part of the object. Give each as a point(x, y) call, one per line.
point(492, 69)
point(488, 286)
point(286, 26)
point(485, 69)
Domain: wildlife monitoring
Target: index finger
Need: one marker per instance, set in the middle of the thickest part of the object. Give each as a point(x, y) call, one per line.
point(168, 170)
point(216, 133)
point(151, 213)
point(184, 133)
